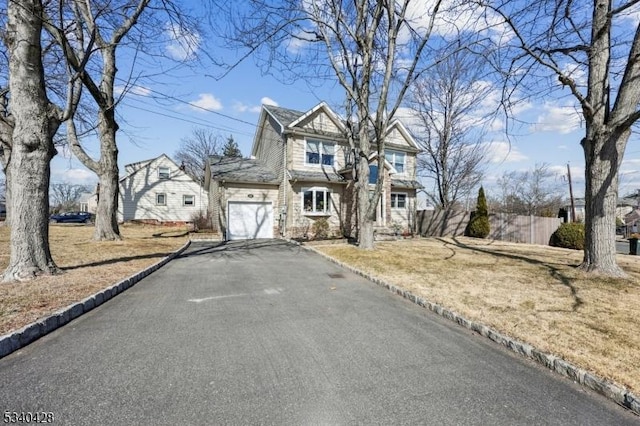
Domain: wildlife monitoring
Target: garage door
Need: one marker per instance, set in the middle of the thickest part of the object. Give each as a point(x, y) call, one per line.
point(249, 220)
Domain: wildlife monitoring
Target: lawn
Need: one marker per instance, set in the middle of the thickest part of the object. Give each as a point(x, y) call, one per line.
point(88, 267)
point(532, 293)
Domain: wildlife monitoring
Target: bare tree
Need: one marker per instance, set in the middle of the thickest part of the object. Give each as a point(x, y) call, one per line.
point(374, 49)
point(29, 130)
point(108, 26)
point(448, 101)
point(592, 51)
point(196, 149)
point(535, 192)
point(106, 30)
point(65, 195)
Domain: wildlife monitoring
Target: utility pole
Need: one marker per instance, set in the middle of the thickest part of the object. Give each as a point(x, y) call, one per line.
point(573, 204)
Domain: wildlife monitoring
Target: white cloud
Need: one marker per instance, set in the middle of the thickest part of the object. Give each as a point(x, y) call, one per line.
point(557, 118)
point(206, 101)
point(241, 107)
point(577, 73)
point(134, 90)
point(183, 44)
point(504, 152)
point(74, 176)
point(268, 101)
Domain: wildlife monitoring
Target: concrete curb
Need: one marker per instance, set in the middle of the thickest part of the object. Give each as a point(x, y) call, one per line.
point(610, 390)
point(20, 338)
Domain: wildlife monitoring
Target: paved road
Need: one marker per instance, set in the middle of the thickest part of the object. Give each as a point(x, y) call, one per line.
point(268, 333)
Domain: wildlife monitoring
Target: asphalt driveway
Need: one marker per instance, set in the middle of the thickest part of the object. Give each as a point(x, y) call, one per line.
point(265, 332)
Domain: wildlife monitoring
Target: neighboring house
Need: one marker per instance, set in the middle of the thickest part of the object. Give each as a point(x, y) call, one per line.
point(158, 190)
point(624, 207)
point(301, 172)
point(88, 202)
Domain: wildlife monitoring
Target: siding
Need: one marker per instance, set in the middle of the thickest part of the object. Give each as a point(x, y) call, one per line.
point(138, 194)
point(297, 152)
point(269, 149)
point(301, 225)
point(395, 137)
point(403, 217)
point(320, 122)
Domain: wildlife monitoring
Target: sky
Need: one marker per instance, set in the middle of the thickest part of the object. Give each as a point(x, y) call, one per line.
point(156, 115)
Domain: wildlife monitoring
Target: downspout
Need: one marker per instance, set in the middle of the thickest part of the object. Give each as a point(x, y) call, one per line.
point(284, 185)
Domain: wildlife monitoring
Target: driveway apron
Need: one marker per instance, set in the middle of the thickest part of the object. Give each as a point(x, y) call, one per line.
point(265, 332)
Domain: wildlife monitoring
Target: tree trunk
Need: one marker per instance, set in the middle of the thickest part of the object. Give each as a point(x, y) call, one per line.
point(365, 220)
point(29, 168)
point(7, 195)
point(106, 226)
point(601, 196)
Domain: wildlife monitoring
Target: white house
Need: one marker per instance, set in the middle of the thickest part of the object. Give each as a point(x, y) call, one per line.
point(88, 202)
point(158, 190)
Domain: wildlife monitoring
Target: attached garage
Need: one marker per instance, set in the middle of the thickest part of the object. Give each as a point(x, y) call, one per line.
point(248, 220)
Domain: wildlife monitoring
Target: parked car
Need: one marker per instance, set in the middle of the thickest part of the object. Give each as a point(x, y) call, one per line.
point(71, 217)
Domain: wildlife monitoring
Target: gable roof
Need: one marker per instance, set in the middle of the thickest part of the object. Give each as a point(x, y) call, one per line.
point(136, 167)
point(241, 170)
point(283, 116)
point(396, 123)
point(321, 106)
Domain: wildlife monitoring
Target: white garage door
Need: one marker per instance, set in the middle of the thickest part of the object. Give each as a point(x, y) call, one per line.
point(249, 220)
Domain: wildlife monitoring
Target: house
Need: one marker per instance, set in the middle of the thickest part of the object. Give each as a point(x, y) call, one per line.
point(624, 206)
point(88, 202)
point(159, 191)
point(300, 177)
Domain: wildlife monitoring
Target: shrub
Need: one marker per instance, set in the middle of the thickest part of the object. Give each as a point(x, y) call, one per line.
point(320, 228)
point(569, 235)
point(479, 224)
point(201, 221)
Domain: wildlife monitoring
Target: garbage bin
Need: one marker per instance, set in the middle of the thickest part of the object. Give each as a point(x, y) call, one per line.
point(633, 246)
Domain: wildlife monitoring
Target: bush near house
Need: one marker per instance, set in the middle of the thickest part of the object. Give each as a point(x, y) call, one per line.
point(320, 228)
point(568, 235)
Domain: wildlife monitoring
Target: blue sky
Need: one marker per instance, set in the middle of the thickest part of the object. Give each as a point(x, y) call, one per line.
point(158, 114)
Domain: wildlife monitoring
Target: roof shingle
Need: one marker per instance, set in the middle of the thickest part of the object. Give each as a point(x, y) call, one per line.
point(243, 170)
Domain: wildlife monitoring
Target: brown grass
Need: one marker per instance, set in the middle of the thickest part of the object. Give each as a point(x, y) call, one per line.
point(88, 267)
point(532, 293)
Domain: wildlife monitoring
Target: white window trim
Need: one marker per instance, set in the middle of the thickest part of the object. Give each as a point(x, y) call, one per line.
point(327, 204)
point(393, 163)
point(321, 144)
point(193, 198)
point(406, 201)
point(160, 173)
point(164, 194)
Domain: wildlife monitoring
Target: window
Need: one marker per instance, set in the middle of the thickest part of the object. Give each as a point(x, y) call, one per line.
point(396, 159)
point(316, 200)
point(319, 152)
point(398, 201)
point(188, 200)
point(161, 199)
point(164, 172)
point(373, 174)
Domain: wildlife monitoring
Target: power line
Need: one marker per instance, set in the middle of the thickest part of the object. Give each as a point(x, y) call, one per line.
point(192, 105)
point(186, 120)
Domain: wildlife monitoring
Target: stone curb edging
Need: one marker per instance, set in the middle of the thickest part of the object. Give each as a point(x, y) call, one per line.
point(612, 391)
point(31, 332)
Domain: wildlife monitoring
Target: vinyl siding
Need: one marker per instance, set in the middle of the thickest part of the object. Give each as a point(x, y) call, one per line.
point(320, 122)
point(298, 152)
point(300, 223)
point(138, 194)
